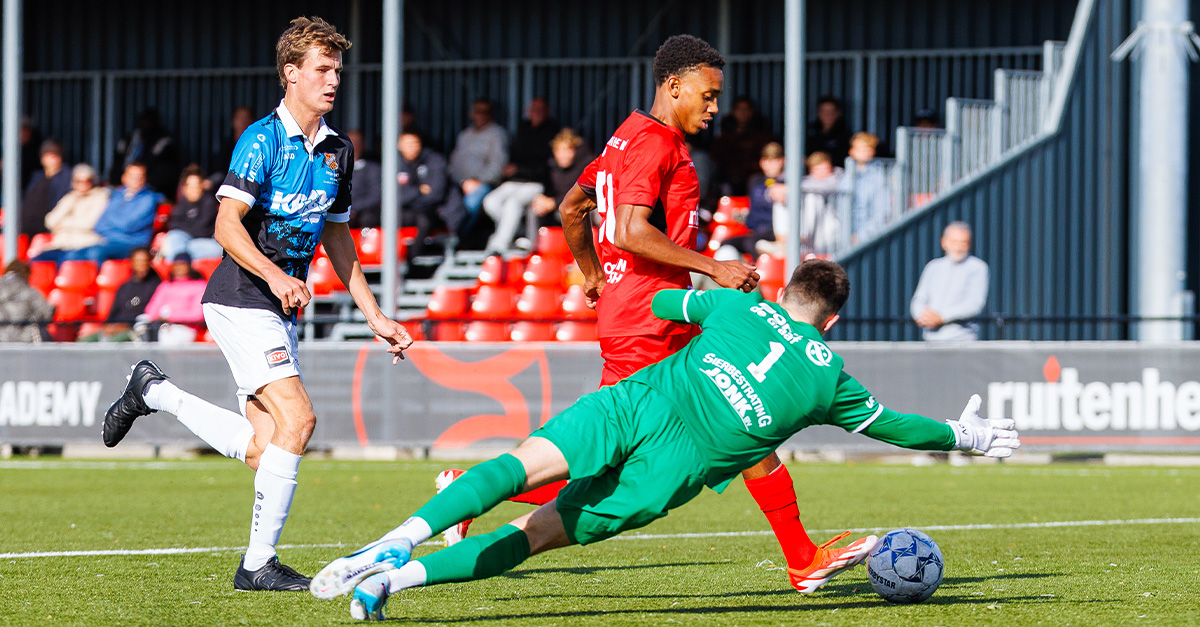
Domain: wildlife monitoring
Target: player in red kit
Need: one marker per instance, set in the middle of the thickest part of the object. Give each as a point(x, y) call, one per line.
point(645, 189)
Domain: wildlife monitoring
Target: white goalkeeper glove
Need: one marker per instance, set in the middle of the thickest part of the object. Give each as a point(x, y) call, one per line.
point(995, 437)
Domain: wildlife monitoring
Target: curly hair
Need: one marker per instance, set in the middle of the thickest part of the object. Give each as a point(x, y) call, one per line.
point(304, 33)
point(681, 54)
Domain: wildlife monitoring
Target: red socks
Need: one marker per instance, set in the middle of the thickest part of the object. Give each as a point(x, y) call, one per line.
point(545, 494)
point(776, 497)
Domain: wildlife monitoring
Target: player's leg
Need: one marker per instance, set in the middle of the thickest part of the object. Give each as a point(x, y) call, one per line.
point(809, 566)
point(264, 429)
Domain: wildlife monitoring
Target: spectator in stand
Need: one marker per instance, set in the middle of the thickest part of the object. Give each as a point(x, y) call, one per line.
point(366, 195)
point(129, 302)
point(767, 192)
point(952, 290)
point(31, 148)
point(127, 221)
point(706, 173)
point(736, 150)
point(23, 309)
point(426, 197)
point(566, 166)
point(46, 187)
point(175, 306)
point(871, 202)
point(151, 145)
point(193, 219)
point(478, 160)
point(820, 228)
point(926, 118)
point(241, 118)
point(525, 175)
point(829, 133)
point(72, 222)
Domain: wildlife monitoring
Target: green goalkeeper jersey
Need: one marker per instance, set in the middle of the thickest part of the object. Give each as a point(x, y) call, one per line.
point(755, 377)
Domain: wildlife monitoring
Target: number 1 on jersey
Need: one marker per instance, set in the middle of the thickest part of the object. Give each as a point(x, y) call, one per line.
point(759, 370)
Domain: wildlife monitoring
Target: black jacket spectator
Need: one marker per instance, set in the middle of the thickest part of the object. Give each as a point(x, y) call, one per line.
point(198, 219)
point(132, 297)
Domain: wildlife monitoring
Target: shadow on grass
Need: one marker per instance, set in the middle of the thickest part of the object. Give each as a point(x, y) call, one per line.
point(589, 570)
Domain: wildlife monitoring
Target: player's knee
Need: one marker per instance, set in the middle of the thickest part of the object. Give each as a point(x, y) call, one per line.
point(298, 427)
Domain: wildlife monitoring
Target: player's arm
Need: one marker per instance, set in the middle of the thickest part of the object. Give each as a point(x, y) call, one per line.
point(855, 410)
point(231, 234)
point(339, 245)
point(635, 234)
point(577, 228)
point(688, 306)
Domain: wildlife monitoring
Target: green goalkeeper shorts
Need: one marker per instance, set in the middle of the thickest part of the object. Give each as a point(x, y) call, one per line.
point(630, 459)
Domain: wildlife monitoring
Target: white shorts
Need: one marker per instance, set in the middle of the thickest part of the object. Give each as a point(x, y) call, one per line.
point(260, 346)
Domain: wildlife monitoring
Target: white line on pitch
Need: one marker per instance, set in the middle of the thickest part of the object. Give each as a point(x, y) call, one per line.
point(636, 536)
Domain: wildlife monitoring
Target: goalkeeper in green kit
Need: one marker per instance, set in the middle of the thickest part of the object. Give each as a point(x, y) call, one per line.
point(758, 374)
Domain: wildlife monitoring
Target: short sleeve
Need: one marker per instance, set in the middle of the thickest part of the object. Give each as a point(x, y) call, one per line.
point(648, 160)
point(853, 407)
point(690, 306)
point(587, 179)
point(340, 210)
point(252, 159)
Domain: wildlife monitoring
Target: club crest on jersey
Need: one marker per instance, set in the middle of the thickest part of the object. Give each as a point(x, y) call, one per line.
point(818, 353)
point(278, 357)
point(331, 160)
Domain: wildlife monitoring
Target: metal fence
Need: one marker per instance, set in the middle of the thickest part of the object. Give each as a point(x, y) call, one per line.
point(90, 111)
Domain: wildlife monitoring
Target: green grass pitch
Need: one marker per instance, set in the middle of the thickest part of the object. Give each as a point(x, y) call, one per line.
point(1004, 563)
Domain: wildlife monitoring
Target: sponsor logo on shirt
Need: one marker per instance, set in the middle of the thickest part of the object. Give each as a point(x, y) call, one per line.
point(780, 324)
point(277, 356)
point(315, 201)
point(818, 353)
point(615, 271)
point(737, 391)
point(617, 142)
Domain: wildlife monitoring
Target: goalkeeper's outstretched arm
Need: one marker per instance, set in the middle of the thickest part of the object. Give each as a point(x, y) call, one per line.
point(971, 433)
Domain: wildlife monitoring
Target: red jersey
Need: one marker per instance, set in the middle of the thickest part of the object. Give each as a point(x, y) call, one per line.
point(644, 163)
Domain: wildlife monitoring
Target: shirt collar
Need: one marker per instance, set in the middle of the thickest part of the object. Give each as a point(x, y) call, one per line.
point(293, 129)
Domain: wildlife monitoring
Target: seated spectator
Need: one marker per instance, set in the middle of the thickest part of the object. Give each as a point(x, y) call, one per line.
point(366, 195)
point(820, 228)
point(175, 310)
point(768, 197)
point(926, 118)
point(525, 175)
point(127, 221)
point(150, 144)
point(871, 202)
point(829, 133)
point(736, 150)
point(72, 222)
point(427, 199)
point(241, 119)
point(129, 301)
point(193, 219)
point(478, 160)
point(46, 187)
point(567, 164)
point(23, 309)
point(952, 290)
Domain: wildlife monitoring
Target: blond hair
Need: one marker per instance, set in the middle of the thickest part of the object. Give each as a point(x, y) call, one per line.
point(304, 33)
point(817, 158)
point(569, 137)
point(865, 138)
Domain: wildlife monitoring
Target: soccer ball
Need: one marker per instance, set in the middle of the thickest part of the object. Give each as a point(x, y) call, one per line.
point(905, 566)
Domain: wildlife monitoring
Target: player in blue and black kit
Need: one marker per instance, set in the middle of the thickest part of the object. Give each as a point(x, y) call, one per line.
point(287, 189)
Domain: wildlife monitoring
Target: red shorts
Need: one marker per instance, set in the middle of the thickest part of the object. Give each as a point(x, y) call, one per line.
point(626, 355)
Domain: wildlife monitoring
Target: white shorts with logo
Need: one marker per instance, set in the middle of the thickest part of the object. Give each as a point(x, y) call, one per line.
point(260, 346)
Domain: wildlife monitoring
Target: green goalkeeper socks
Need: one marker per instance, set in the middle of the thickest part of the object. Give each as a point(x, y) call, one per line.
point(475, 492)
point(478, 557)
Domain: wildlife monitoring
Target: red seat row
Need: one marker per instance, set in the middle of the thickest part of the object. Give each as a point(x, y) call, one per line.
point(502, 302)
point(521, 331)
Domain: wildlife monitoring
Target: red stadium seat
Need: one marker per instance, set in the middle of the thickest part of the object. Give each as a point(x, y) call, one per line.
point(443, 331)
point(577, 331)
point(370, 246)
point(732, 210)
point(538, 302)
point(725, 232)
point(496, 271)
point(574, 304)
point(492, 301)
point(544, 271)
point(206, 265)
point(113, 274)
point(156, 244)
point(26, 247)
point(160, 217)
point(486, 331)
point(449, 302)
point(322, 278)
point(551, 242)
point(103, 303)
point(771, 269)
point(69, 305)
point(526, 331)
point(415, 329)
point(77, 275)
point(41, 276)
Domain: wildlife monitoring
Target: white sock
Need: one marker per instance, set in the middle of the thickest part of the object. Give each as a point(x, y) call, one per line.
point(225, 431)
point(409, 575)
point(274, 487)
point(415, 530)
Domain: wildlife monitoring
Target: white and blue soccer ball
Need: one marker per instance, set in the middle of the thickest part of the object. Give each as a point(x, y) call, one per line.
point(905, 566)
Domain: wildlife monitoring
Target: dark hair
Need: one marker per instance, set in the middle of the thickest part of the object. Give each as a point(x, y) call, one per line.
point(833, 100)
point(140, 249)
point(137, 164)
point(51, 146)
point(19, 268)
point(192, 169)
point(680, 54)
point(818, 286)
